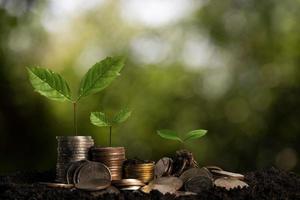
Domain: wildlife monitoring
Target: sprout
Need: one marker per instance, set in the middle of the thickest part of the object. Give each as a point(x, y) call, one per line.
point(100, 119)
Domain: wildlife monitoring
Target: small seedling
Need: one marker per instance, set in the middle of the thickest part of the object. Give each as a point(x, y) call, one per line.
point(172, 135)
point(100, 119)
point(53, 86)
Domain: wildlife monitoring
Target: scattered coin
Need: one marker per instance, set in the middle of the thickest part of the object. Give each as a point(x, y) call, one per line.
point(131, 188)
point(163, 167)
point(211, 167)
point(128, 182)
point(58, 185)
point(71, 171)
point(228, 174)
point(164, 189)
point(229, 183)
point(76, 171)
point(198, 184)
point(193, 172)
point(93, 184)
point(171, 181)
point(93, 170)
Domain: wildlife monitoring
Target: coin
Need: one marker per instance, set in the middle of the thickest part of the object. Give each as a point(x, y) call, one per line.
point(198, 184)
point(142, 170)
point(211, 167)
point(93, 170)
point(228, 174)
point(112, 157)
point(164, 189)
point(93, 184)
point(171, 181)
point(57, 185)
point(128, 182)
point(131, 188)
point(229, 183)
point(192, 172)
point(71, 170)
point(71, 149)
point(162, 166)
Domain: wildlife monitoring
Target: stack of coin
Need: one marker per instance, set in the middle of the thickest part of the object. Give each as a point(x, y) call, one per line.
point(112, 157)
point(141, 171)
point(71, 149)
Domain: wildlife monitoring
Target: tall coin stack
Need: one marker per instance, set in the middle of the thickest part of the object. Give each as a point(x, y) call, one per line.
point(141, 171)
point(112, 157)
point(71, 149)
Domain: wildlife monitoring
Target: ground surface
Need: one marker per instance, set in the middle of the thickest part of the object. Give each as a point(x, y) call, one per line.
point(268, 184)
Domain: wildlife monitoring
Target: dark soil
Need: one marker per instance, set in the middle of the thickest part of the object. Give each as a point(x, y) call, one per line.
point(267, 184)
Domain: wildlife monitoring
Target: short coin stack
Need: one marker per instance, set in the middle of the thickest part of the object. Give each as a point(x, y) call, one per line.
point(142, 171)
point(71, 149)
point(112, 157)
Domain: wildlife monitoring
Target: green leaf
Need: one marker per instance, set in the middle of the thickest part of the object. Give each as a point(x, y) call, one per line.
point(99, 119)
point(100, 76)
point(195, 134)
point(49, 84)
point(121, 116)
point(168, 134)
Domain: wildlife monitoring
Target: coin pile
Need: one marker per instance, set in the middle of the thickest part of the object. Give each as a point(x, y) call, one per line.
point(142, 171)
point(71, 149)
point(112, 157)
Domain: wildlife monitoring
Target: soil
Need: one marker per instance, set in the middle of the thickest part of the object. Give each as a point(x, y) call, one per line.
point(268, 184)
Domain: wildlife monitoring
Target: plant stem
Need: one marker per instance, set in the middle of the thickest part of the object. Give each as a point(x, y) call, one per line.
point(110, 129)
point(75, 117)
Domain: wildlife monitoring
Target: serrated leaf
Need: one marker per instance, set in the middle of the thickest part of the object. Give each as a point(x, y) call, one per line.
point(168, 134)
point(49, 84)
point(99, 119)
point(121, 116)
point(195, 134)
point(100, 76)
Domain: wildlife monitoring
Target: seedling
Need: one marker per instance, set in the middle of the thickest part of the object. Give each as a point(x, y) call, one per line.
point(53, 86)
point(100, 119)
point(172, 135)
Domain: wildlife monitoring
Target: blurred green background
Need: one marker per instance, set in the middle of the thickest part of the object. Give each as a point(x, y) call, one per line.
point(231, 67)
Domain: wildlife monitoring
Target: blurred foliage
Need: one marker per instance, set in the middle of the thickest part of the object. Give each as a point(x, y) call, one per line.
point(231, 67)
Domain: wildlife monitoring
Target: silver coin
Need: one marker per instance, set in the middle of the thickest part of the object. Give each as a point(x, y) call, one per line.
point(192, 172)
point(229, 183)
point(228, 174)
point(171, 181)
point(93, 170)
point(162, 166)
point(198, 184)
point(76, 172)
point(71, 170)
